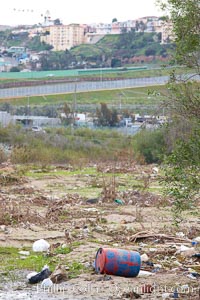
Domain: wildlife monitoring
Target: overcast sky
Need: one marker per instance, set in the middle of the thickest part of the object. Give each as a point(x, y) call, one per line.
point(75, 11)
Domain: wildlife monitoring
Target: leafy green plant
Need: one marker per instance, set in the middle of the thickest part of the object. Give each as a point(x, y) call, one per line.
point(150, 144)
point(182, 176)
point(63, 250)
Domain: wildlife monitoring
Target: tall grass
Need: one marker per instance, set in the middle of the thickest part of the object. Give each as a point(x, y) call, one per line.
point(81, 146)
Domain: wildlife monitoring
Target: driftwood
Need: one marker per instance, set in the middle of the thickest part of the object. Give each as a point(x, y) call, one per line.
point(147, 234)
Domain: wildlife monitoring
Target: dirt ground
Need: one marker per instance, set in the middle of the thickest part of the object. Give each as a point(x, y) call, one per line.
point(44, 210)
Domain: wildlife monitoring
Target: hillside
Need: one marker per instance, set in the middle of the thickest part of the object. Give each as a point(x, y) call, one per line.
point(124, 49)
point(110, 51)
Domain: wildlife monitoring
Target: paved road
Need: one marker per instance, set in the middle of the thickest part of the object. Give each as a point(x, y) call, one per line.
point(63, 88)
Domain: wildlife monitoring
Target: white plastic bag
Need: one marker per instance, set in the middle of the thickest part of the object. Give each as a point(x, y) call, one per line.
point(41, 246)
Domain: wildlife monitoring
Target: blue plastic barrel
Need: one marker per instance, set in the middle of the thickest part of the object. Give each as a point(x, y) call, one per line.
point(118, 262)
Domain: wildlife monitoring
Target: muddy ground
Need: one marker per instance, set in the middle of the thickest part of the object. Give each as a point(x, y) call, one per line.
point(47, 208)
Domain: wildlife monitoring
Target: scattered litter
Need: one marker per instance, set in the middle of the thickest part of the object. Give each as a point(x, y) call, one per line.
point(150, 263)
point(26, 253)
point(2, 228)
point(59, 274)
point(104, 278)
point(41, 246)
point(92, 201)
point(118, 201)
point(131, 295)
point(38, 277)
point(166, 296)
point(175, 296)
point(144, 257)
point(145, 273)
point(148, 234)
point(31, 275)
point(180, 234)
point(46, 283)
point(197, 239)
point(191, 277)
point(91, 209)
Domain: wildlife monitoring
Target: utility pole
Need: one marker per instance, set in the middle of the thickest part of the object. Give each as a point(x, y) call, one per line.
point(74, 102)
point(28, 112)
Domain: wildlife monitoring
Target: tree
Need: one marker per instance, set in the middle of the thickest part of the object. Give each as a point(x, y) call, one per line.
point(69, 116)
point(57, 22)
point(182, 168)
point(14, 69)
point(114, 20)
point(184, 16)
point(105, 116)
point(150, 51)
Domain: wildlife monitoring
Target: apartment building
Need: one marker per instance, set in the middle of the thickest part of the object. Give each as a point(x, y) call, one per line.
point(167, 32)
point(63, 37)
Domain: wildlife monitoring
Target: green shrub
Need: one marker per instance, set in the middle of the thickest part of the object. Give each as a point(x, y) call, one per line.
point(150, 144)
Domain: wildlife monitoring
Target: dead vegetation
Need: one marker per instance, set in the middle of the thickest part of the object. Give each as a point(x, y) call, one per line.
point(140, 220)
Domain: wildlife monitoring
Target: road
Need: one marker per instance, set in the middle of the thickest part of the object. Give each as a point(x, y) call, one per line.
point(63, 88)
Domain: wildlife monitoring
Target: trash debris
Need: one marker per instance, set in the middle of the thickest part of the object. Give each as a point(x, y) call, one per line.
point(59, 274)
point(26, 253)
point(148, 234)
point(31, 275)
point(104, 278)
point(38, 277)
point(2, 228)
point(46, 283)
point(194, 243)
point(41, 246)
point(145, 274)
point(118, 201)
point(197, 239)
point(180, 234)
point(92, 201)
point(166, 296)
point(175, 296)
point(149, 263)
point(85, 231)
point(191, 277)
point(186, 251)
point(197, 255)
point(131, 295)
point(118, 262)
point(144, 257)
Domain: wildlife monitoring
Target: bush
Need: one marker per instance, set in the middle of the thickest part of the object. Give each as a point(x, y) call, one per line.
point(151, 145)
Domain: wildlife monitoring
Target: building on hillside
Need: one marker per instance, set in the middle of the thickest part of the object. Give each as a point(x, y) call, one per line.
point(63, 37)
point(15, 50)
point(167, 33)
